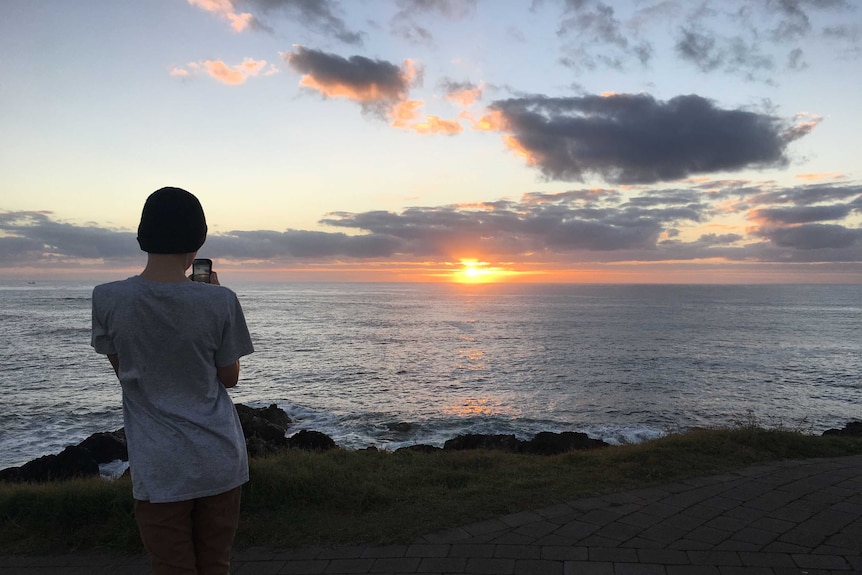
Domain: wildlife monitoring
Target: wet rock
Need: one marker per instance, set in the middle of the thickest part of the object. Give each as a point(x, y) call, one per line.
point(311, 441)
point(852, 429)
point(70, 463)
point(548, 443)
point(107, 446)
point(267, 424)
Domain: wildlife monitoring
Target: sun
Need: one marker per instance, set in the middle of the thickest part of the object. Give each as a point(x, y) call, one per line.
point(474, 271)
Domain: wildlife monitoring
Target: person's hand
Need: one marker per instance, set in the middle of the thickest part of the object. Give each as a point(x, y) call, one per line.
point(214, 278)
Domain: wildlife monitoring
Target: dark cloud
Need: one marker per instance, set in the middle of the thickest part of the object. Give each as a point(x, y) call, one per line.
point(802, 215)
point(589, 225)
point(637, 139)
point(376, 84)
point(35, 236)
point(806, 195)
point(317, 15)
point(299, 244)
point(813, 236)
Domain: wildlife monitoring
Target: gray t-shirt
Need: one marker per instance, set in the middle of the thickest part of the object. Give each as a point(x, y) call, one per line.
point(183, 433)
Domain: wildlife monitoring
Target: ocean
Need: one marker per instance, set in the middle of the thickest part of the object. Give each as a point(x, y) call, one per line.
point(392, 365)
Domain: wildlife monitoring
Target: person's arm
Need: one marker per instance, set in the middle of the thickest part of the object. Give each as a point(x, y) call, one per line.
point(115, 362)
point(229, 374)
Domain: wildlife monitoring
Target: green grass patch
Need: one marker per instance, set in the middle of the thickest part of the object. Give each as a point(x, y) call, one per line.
point(300, 498)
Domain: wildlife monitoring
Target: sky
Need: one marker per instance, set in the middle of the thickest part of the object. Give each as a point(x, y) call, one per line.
point(638, 141)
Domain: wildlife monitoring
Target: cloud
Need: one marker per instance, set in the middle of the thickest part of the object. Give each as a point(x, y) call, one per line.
point(27, 237)
point(317, 15)
point(375, 84)
point(380, 87)
point(589, 24)
point(406, 21)
point(633, 138)
point(569, 228)
point(225, 73)
point(597, 33)
point(813, 236)
point(801, 215)
point(463, 94)
point(239, 21)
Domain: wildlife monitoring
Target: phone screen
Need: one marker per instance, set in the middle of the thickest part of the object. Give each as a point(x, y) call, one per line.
point(201, 270)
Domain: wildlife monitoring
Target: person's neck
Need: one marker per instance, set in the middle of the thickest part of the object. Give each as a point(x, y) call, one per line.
point(167, 268)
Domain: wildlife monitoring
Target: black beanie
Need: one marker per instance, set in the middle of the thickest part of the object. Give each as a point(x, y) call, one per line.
point(172, 222)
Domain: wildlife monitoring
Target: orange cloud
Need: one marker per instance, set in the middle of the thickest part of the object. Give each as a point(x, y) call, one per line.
point(465, 97)
point(406, 115)
point(224, 73)
point(333, 89)
point(515, 145)
point(820, 177)
point(436, 125)
point(226, 9)
point(493, 121)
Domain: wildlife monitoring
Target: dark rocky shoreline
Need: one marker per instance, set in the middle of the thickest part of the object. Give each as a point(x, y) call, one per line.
point(265, 430)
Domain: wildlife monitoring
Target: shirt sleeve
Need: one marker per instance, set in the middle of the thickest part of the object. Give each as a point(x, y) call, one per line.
point(236, 341)
point(99, 338)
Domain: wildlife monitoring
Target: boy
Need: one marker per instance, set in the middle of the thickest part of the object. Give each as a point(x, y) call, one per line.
point(175, 347)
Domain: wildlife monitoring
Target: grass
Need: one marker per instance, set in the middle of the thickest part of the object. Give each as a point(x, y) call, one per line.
point(300, 498)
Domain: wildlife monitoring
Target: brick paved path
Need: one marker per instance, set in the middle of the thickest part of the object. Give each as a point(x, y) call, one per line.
point(797, 517)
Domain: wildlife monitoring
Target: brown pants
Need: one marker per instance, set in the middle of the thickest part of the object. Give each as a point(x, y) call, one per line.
point(190, 537)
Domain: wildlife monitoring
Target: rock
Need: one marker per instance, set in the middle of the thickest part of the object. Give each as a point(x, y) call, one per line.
point(268, 424)
point(275, 415)
point(311, 440)
point(852, 429)
point(10, 475)
point(480, 441)
point(548, 443)
point(399, 427)
point(107, 446)
point(72, 462)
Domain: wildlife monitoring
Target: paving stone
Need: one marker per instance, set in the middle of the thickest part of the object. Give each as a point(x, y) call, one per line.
point(565, 553)
point(518, 551)
point(420, 550)
point(349, 566)
point(663, 556)
point(442, 565)
point(638, 569)
point(395, 565)
point(517, 519)
point(692, 570)
point(537, 567)
point(714, 558)
point(467, 550)
point(385, 551)
point(808, 561)
point(766, 559)
point(260, 568)
point(308, 567)
point(613, 554)
point(537, 529)
point(584, 568)
point(490, 565)
point(511, 538)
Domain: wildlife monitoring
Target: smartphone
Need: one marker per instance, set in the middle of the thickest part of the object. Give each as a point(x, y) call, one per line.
point(201, 270)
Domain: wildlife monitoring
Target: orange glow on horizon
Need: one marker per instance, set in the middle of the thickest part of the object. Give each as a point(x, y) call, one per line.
point(474, 272)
